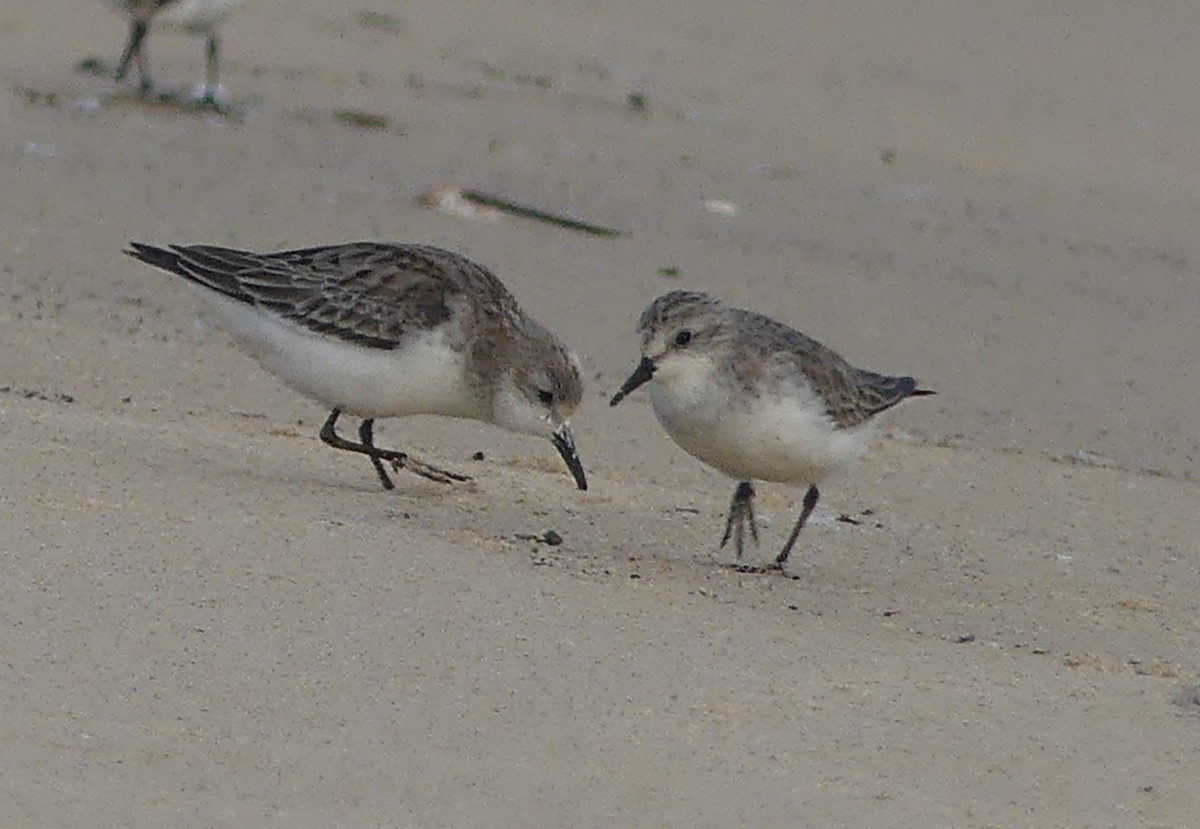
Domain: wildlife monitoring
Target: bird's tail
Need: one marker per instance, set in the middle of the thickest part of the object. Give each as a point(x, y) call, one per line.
point(893, 390)
point(213, 268)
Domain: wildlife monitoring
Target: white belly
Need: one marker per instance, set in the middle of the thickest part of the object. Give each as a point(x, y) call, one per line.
point(424, 377)
point(782, 439)
point(190, 15)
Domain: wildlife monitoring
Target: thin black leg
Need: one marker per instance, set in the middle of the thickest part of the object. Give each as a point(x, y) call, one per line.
point(210, 83)
point(133, 51)
point(367, 433)
point(810, 503)
point(741, 510)
point(398, 460)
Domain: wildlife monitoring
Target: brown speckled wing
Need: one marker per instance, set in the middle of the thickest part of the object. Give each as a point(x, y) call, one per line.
point(867, 394)
point(852, 396)
point(369, 294)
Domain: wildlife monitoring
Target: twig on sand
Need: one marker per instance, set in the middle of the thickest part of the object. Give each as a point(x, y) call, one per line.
point(450, 199)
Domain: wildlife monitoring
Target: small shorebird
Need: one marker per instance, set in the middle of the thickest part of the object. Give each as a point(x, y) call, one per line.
point(381, 330)
point(198, 17)
point(756, 399)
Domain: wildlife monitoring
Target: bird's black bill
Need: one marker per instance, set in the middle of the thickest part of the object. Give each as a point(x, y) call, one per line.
point(642, 374)
point(564, 442)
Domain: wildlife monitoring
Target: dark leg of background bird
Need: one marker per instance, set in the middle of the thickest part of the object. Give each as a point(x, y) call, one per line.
point(211, 87)
point(134, 51)
point(366, 433)
point(810, 503)
point(741, 510)
point(398, 460)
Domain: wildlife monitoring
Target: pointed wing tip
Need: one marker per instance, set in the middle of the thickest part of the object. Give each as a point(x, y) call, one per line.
point(904, 387)
point(151, 255)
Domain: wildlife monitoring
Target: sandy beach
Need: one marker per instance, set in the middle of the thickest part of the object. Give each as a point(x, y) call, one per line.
point(212, 619)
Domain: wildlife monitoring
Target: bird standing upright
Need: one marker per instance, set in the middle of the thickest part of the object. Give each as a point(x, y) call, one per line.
point(198, 17)
point(756, 399)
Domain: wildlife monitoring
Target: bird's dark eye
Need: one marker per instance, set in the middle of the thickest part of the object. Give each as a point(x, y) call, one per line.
point(546, 397)
point(683, 338)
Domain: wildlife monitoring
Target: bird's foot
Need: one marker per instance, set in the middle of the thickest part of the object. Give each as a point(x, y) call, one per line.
point(403, 460)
